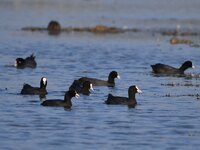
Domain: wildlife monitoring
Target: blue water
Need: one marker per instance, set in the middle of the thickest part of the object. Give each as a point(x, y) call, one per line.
point(166, 117)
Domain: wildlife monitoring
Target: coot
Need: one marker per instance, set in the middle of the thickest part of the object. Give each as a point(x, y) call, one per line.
point(84, 88)
point(54, 28)
point(97, 82)
point(166, 69)
point(130, 101)
point(62, 103)
point(29, 90)
point(27, 62)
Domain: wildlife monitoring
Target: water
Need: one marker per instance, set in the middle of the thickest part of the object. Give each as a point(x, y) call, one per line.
point(166, 117)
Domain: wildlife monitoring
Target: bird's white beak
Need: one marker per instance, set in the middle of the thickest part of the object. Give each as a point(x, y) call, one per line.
point(193, 67)
point(91, 88)
point(15, 64)
point(44, 81)
point(138, 90)
point(118, 76)
point(77, 95)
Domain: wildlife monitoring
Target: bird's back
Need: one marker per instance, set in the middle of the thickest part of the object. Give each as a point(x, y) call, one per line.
point(165, 69)
point(116, 99)
point(29, 90)
point(94, 81)
point(53, 102)
point(30, 61)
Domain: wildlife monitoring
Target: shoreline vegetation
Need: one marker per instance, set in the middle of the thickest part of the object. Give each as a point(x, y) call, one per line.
point(54, 28)
point(95, 29)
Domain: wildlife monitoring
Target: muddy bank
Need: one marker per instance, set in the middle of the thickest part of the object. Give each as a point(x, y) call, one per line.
point(176, 40)
point(107, 29)
point(95, 29)
point(179, 84)
point(55, 27)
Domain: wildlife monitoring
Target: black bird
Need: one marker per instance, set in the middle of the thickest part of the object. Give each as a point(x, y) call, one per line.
point(54, 28)
point(97, 82)
point(29, 90)
point(166, 69)
point(62, 103)
point(27, 62)
point(84, 88)
point(130, 101)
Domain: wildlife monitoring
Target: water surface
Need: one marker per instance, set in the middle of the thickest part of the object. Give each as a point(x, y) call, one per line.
point(166, 117)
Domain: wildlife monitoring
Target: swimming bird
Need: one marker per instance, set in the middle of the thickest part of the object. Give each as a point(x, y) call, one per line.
point(130, 100)
point(62, 103)
point(166, 69)
point(30, 90)
point(27, 62)
point(98, 82)
point(54, 27)
point(84, 88)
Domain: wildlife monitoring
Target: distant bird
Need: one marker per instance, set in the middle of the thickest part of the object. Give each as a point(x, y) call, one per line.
point(29, 90)
point(84, 88)
point(169, 70)
point(54, 28)
point(97, 82)
point(62, 103)
point(27, 62)
point(130, 101)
